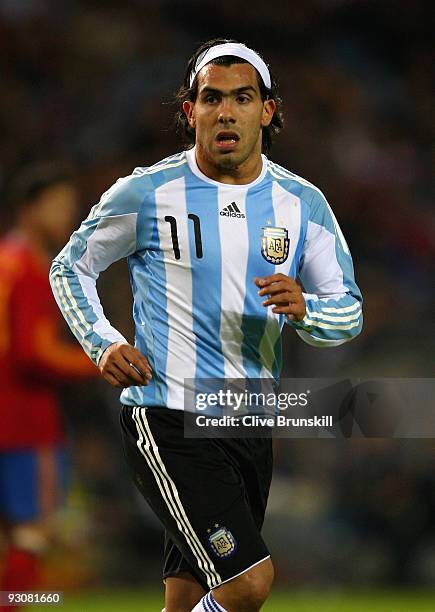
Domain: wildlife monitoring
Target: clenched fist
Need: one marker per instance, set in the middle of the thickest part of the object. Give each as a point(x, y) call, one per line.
point(283, 292)
point(122, 365)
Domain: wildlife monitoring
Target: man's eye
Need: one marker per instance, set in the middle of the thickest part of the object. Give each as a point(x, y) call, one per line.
point(210, 99)
point(242, 99)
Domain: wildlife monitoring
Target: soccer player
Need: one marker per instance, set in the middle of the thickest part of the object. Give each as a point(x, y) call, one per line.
point(224, 247)
point(34, 359)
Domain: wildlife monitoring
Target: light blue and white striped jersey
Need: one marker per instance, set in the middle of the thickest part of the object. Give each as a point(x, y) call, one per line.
point(194, 247)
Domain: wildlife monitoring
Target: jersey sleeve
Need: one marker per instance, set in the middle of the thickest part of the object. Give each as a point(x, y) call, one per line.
point(333, 300)
point(107, 235)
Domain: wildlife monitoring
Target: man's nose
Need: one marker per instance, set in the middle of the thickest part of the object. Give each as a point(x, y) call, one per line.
point(226, 114)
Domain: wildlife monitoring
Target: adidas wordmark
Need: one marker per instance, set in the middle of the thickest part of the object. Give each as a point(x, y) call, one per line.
point(232, 211)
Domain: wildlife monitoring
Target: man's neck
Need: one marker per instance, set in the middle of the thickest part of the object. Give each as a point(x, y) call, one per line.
point(243, 174)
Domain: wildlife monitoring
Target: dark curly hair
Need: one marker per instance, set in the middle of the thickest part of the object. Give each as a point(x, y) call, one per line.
point(187, 92)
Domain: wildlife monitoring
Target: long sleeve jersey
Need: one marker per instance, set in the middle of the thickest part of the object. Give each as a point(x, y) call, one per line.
point(194, 247)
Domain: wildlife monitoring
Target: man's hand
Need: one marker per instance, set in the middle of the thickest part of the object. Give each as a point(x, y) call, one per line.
point(285, 293)
point(122, 365)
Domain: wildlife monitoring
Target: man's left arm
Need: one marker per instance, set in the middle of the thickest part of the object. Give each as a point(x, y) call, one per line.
point(324, 305)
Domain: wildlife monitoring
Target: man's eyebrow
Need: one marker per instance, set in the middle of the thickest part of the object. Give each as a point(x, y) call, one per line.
point(239, 90)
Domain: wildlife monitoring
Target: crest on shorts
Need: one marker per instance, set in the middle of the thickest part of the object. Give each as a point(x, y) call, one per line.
point(275, 244)
point(222, 541)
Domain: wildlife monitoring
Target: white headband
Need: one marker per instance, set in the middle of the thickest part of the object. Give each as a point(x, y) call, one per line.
point(238, 50)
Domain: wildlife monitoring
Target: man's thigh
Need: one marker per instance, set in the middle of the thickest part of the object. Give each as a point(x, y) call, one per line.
point(196, 489)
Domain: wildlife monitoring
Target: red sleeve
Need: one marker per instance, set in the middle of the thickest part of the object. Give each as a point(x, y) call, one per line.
point(37, 347)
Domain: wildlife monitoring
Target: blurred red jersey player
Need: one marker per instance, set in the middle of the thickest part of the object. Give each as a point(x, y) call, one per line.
point(34, 359)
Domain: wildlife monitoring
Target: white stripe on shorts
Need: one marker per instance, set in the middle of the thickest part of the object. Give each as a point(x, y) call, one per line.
point(149, 449)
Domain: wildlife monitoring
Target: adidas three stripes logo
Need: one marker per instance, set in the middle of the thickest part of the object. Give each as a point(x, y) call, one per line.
point(232, 211)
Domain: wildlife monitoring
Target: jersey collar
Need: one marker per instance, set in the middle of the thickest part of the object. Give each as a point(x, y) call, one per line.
point(191, 160)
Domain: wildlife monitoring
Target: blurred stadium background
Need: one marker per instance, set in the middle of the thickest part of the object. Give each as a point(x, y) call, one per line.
point(351, 523)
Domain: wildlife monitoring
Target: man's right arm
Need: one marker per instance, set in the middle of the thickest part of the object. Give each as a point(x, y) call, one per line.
point(107, 235)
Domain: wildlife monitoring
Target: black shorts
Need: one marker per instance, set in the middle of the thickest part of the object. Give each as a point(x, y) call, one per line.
point(210, 494)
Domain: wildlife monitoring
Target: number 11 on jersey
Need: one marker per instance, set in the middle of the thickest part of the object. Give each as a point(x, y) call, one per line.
point(174, 235)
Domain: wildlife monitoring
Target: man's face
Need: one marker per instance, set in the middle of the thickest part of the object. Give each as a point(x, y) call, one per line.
point(228, 115)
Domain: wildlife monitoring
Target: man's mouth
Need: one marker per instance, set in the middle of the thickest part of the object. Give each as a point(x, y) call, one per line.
point(227, 139)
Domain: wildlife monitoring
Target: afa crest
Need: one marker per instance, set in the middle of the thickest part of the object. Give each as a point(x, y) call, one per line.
point(275, 244)
point(222, 541)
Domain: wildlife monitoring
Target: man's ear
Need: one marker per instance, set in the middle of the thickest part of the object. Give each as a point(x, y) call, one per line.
point(269, 107)
point(188, 108)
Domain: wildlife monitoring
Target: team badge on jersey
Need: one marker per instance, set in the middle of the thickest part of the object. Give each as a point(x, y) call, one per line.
point(222, 541)
point(275, 244)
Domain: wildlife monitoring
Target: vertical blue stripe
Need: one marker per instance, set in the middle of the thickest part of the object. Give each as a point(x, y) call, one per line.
point(148, 278)
point(202, 200)
point(259, 210)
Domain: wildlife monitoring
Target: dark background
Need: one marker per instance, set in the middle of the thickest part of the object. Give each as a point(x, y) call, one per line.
point(91, 83)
